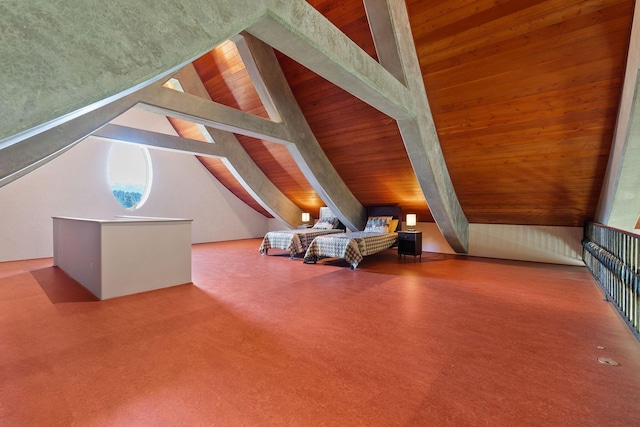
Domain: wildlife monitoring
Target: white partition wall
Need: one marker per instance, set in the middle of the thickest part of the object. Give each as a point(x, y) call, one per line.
point(77, 251)
point(119, 257)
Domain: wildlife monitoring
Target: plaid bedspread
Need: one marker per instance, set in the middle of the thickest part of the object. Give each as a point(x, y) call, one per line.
point(293, 241)
point(352, 247)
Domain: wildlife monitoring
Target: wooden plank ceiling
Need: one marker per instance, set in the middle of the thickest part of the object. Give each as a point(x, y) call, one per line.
point(524, 95)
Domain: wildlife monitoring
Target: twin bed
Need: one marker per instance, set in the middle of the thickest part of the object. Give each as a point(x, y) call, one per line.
point(297, 241)
point(378, 235)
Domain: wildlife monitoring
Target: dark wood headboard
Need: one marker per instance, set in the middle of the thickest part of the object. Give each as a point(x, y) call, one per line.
point(391, 210)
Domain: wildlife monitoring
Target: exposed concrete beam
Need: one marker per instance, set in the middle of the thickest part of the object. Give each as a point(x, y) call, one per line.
point(159, 140)
point(240, 164)
point(265, 72)
point(61, 57)
point(24, 156)
point(384, 38)
point(191, 83)
point(302, 33)
point(619, 204)
point(419, 132)
point(254, 181)
point(256, 77)
point(180, 105)
point(68, 76)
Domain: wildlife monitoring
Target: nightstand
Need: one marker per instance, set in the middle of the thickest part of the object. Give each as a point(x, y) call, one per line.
point(410, 243)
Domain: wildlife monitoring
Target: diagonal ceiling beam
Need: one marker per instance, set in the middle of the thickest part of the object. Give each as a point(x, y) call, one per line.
point(70, 77)
point(302, 33)
point(179, 105)
point(390, 19)
point(158, 140)
point(384, 38)
point(87, 51)
point(266, 74)
point(26, 155)
point(238, 161)
point(254, 181)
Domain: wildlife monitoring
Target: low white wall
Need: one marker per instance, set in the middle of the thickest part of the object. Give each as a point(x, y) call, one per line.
point(432, 238)
point(75, 185)
point(555, 245)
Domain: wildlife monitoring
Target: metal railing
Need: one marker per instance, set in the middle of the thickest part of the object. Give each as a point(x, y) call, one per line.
point(613, 257)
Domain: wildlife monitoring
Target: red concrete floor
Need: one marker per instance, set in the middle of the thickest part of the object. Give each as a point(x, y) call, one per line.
point(265, 341)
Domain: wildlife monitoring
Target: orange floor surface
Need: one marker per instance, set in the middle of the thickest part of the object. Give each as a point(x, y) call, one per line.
point(267, 341)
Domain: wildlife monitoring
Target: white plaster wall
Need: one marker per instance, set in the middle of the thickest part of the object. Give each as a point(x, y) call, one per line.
point(77, 251)
point(75, 185)
point(275, 225)
point(432, 238)
point(555, 245)
point(167, 260)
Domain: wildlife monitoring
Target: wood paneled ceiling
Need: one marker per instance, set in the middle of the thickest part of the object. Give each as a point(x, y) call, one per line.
point(524, 95)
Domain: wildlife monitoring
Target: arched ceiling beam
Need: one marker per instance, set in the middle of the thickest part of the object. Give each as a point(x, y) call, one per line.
point(384, 38)
point(389, 23)
point(184, 106)
point(162, 141)
point(237, 160)
point(619, 204)
point(62, 57)
point(254, 181)
point(22, 157)
point(301, 32)
point(272, 86)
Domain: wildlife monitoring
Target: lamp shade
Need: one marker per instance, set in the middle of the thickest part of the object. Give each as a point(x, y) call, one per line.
point(411, 220)
point(306, 217)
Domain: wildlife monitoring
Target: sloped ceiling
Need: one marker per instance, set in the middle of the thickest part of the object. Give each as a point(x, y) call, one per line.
point(524, 96)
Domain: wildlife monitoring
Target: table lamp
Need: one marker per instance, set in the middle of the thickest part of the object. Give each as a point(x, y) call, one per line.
point(411, 222)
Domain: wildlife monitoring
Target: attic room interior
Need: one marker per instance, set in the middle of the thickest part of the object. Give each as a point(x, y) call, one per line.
point(506, 129)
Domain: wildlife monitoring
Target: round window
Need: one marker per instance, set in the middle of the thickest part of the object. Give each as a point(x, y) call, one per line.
point(129, 174)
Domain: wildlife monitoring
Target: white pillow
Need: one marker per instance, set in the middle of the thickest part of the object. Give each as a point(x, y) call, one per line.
point(379, 224)
point(326, 223)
